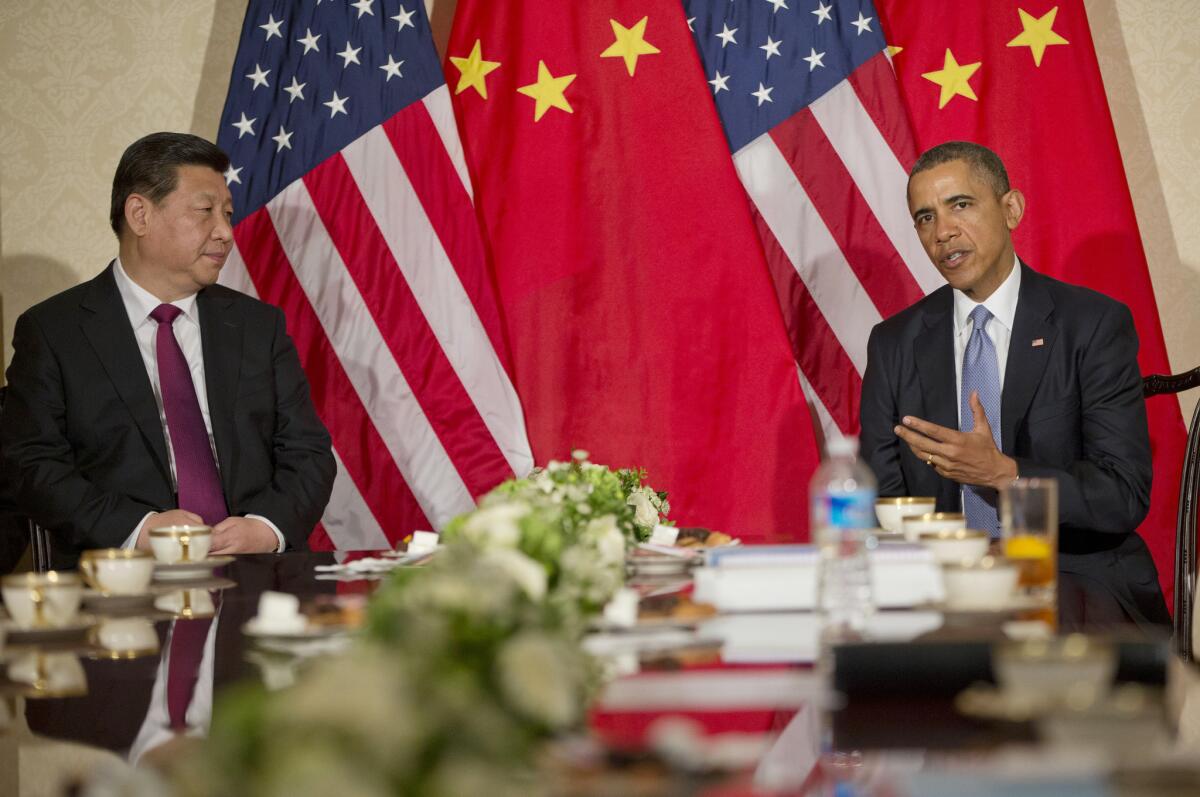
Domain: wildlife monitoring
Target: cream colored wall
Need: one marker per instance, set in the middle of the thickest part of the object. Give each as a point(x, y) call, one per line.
point(79, 80)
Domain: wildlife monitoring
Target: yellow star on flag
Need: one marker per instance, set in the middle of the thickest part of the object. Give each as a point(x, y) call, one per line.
point(630, 43)
point(473, 69)
point(548, 91)
point(1038, 33)
point(954, 78)
point(893, 50)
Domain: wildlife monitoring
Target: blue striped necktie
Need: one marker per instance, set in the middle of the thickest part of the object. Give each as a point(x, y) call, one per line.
point(981, 374)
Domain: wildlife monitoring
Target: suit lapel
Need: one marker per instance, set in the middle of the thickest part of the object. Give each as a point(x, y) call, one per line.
point(221, 341)
point(933, 352)
point(1026, 362)
point(106, 327)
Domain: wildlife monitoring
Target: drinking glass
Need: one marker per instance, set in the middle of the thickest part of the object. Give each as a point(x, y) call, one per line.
point(1029, 528)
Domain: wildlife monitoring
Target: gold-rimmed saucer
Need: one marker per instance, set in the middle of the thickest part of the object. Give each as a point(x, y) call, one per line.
point(184, 571)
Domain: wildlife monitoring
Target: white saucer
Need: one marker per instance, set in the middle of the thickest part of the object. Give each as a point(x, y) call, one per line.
point(44, 636)
point(252, 630)
point(112, 602)
point(182, 571)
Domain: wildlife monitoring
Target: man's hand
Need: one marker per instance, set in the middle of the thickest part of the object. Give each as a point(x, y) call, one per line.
point(965, 457)
point(243, 535)
point(172, 517)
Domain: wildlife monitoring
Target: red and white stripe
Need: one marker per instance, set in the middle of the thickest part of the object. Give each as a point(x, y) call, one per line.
point(828, 187)
point(376, 258)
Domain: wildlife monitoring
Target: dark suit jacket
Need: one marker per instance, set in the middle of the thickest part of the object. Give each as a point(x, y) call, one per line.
point(1071, 409)
point(82, 445)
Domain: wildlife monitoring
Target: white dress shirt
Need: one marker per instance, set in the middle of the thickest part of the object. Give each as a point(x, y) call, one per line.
point(1002, 304)
point(139, 303)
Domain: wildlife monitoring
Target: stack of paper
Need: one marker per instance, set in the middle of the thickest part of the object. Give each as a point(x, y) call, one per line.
point(752, 578)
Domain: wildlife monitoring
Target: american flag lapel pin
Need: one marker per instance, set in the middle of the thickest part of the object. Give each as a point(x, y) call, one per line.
point(1039, 342)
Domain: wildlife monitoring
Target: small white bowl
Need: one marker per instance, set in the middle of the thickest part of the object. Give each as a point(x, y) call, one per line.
point(956, 545)
point(982, 584)
point(915, 525)
point(892, 511)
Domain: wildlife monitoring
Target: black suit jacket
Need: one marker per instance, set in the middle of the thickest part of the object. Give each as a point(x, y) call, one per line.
point(82, 445)
point(1071, 409)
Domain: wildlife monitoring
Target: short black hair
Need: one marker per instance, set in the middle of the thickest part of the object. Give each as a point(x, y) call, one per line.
point(150, 166)
point(983, 161)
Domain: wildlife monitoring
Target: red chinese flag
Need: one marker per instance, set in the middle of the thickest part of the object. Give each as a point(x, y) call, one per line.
point(634, 291)
point(1023, 79)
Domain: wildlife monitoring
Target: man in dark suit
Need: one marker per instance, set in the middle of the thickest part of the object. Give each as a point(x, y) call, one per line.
point(150, 396)
point(1006, 373)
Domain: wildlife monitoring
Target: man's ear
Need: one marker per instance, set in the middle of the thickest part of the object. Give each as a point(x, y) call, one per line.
point(1014, 208)
point(137, 214)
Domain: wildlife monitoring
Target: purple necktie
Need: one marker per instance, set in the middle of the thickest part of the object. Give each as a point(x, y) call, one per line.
point(183, 666)
point(199, 483)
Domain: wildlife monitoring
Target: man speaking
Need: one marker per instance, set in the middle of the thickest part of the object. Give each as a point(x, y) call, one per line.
point(1006, 373)
point(151, 396)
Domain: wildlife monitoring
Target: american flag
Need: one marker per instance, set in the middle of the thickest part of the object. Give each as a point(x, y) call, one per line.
point(822, 143)
point(353, 213)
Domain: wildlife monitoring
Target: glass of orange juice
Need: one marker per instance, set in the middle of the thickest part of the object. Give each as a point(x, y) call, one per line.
point(1029, 528)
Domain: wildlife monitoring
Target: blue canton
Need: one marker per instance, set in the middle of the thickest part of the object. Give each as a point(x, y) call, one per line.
point(820, 42)
point(336, 53)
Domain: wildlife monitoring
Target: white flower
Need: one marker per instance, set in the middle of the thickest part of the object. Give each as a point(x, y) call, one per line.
point(645, 514)
point(530, 575)
point(608, 539)
point(537, 679)
point(496, 525)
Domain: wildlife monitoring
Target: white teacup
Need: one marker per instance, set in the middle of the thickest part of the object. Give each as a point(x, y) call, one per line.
point(173, 544)
point(187, 603)
point(892, 511)
point(117, 571)
point(279, 613)
point(956, 545)
point(982, 584)
point(49, 674)
point(126, 637)
point(42, 600)
point(916, 525)
point(1047, 669)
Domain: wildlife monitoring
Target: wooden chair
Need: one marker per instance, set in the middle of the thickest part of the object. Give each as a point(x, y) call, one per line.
point(1185, 524)
point(39, 538)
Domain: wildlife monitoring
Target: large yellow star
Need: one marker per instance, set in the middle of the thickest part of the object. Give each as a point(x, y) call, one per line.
point(630, 43)
point(548, 91)
point(1038, 33)
point(954, 78)
point(473, 69)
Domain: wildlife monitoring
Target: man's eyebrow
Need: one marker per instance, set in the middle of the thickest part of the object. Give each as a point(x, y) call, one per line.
point(920, 210)
point(957, 198)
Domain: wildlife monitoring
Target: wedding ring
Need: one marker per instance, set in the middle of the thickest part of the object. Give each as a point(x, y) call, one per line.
point(929, 461)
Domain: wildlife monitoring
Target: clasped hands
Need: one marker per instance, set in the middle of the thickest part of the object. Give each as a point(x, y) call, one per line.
point(965, 457)
point(231, 535)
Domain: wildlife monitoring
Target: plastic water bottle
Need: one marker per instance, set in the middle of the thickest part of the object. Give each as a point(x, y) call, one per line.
point(842, 505)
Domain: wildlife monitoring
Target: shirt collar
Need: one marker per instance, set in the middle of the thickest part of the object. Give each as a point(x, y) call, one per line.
point(1002, 304)
point(139, 302)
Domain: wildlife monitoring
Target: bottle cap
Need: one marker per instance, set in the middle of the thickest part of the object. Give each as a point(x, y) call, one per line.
point(846, 446)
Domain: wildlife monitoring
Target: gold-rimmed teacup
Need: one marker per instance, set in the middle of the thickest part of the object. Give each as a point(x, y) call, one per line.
point(48, 674)
point(984, 584)
point(117, 571)
point(892, 511)
point(956, 545)
point(42, 600)
point(188, 604)
point(124, 638)
point(173, 544)
point(915, 525)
